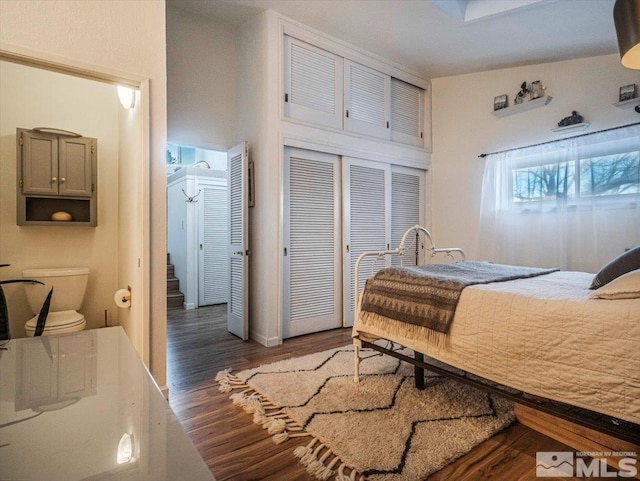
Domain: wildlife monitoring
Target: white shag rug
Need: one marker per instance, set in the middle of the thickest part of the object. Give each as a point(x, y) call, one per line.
point(380, 429)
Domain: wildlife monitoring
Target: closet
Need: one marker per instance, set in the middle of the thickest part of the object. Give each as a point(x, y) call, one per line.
point(341, 142)
point(312, 248)
point(213, 283)
point(336, 208)
point(329, 90)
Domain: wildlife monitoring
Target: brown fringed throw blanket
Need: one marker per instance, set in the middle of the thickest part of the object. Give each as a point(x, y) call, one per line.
point(427, 295)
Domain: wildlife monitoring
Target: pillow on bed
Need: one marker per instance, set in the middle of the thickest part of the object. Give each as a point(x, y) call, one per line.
point(625, 262)
point(627, 286)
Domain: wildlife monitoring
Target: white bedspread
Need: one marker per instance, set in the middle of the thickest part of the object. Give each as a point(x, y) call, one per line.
point(544, 336)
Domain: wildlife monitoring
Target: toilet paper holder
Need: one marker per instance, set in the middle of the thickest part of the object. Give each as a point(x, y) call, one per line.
point(122, 297)
point(127, 296)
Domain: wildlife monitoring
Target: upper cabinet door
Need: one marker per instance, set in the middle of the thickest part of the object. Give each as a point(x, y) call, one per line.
point(407, 113)
point(367, 100)
point(75, 168)
point(312, 84)
point(55, 165)
point(39, 162)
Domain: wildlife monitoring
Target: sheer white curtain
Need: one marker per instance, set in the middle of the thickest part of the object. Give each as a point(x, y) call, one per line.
point(573, 203)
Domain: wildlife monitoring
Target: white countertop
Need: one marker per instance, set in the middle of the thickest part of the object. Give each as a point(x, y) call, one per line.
point(67, 401)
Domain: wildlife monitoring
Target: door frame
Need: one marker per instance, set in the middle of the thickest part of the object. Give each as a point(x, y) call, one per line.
point(66, 66)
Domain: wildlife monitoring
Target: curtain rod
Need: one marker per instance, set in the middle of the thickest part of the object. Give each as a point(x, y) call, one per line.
point(482, 156)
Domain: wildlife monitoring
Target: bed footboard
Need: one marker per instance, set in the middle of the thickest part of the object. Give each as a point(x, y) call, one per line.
point(430, 252)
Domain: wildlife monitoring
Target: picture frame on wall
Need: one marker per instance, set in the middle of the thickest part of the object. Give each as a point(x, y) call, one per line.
point(628, 92)
point(500, 102)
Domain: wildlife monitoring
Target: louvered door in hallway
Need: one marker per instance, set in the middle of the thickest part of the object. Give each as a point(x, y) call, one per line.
point(213, 264)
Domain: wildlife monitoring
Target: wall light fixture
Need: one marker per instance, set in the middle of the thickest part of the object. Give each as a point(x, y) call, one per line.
point(127, 97)
point(125, 449)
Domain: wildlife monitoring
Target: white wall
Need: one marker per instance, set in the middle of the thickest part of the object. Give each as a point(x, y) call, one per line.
point(202, 79)
point(257, 124)
point(118, 36)
point(464, 127)
point(216, 159)
point(34, 98)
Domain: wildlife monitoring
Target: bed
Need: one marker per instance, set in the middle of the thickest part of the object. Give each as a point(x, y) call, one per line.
point(540, 340)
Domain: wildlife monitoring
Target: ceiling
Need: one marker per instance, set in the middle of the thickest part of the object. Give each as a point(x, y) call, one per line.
point(439, 38)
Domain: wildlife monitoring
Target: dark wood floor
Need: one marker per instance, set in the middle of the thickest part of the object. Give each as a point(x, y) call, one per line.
point(234, 448)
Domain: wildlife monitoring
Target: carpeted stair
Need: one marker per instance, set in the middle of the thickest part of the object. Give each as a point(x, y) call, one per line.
point(175, 298)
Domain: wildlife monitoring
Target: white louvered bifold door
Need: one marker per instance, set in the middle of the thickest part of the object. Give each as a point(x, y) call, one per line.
point(407, 113)
point(312, 298)
point(213, 264)
point(367, 100)
point(366, 222)
point(312, 84)
point(238, 181)
point(407, 210)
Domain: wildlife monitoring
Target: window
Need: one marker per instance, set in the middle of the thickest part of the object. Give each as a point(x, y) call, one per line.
point(572, 203)
point(543, 182)
point(602, 176)
point(617, 174)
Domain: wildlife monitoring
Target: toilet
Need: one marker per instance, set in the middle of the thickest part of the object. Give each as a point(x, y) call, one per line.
point(69, 286)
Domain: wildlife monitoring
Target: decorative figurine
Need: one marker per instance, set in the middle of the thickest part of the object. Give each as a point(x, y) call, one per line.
point(537, 90)
point(524, 90)
point(574, 118)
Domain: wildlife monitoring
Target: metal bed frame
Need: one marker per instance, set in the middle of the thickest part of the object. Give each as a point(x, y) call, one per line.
point(618, 428)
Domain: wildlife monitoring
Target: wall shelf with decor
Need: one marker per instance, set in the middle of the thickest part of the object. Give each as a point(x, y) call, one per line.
point(627, 104)
point(523, 107)
point(569, 129)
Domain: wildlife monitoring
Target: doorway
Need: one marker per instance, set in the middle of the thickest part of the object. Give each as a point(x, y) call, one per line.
point(197, 227)
point(40, 92)
point(207, 226)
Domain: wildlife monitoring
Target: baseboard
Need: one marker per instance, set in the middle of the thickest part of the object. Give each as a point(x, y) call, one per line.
point(273, 341)
point(265, 341)
point(189, 305)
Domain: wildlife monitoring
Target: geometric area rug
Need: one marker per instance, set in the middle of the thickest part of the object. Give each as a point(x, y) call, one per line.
point(380, 429)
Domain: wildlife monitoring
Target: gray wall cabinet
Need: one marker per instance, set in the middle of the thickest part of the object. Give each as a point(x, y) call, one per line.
point(56, 173)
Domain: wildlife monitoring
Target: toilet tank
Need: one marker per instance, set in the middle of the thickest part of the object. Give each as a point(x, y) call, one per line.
point(69, 286)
